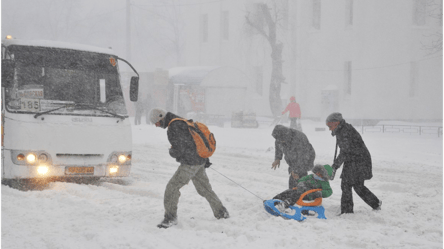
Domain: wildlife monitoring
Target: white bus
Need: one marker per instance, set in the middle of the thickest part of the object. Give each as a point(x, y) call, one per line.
point(63, 112)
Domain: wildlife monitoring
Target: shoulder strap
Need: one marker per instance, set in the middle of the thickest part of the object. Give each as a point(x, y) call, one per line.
point(176, 119)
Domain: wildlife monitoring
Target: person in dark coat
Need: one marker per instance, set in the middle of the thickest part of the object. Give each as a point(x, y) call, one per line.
point(192, 167)
point(299, 153)
point(357, 163)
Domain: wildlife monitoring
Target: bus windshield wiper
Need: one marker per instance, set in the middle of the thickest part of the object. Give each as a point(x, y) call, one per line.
point(52, 110)
point(95, 108)
point(77, 105)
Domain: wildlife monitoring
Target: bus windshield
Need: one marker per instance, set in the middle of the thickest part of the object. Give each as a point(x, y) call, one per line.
point(47, 78)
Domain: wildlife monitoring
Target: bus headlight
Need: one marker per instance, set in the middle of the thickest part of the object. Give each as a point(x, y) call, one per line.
point(113, 169)
point(42, 170)
point(43, 158)
point(122, 159)
point(20, 157)
point(30, 158)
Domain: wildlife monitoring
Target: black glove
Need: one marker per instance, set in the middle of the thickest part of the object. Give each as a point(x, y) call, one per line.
point(207, 163)
point(333, 173)
point(315, 195)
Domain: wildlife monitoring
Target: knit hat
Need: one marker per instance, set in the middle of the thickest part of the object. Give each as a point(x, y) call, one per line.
point(157, 114)
point(325, 171)
point(334, 117)
point(292, 98)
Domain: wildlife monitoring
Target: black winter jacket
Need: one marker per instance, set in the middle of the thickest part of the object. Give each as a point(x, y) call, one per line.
point(353, 153)
point(182, 143)
point(298, 151)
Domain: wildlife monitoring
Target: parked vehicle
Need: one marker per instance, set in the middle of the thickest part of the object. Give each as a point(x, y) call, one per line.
point(63, 111)
point(241, 119)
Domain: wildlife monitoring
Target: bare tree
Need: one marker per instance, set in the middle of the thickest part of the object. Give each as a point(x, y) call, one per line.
point(269, 32)
point(434, 41)
point(165, 26)
point(170, 18)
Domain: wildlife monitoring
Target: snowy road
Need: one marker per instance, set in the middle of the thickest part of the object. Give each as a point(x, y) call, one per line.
point(124, 213)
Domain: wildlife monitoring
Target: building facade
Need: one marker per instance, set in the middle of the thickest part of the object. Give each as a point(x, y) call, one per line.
point(369, 59)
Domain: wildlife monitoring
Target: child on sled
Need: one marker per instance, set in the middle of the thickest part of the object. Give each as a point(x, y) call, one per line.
point(317, 180)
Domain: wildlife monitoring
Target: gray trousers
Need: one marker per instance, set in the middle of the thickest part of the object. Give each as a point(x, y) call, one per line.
point(183, 175)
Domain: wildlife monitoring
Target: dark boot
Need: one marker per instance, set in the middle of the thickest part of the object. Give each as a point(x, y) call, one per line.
point(379, 207)
point(168, 222)
point(223, 214)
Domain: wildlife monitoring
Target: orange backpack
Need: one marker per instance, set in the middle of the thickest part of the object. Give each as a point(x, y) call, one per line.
point(203, 138)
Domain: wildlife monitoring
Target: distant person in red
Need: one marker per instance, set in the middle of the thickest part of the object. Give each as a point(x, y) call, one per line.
point(295, 112)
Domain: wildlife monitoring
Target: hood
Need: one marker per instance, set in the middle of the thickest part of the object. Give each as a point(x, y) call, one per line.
point(281, 132)
point(325, 171)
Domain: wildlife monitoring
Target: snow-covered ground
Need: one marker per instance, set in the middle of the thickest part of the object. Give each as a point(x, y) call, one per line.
point(407, 177)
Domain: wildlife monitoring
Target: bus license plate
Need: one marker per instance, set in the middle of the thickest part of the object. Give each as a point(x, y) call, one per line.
point(30, 105)
point(80, 170)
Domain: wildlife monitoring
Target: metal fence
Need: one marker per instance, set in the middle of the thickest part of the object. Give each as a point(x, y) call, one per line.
point(410, 129)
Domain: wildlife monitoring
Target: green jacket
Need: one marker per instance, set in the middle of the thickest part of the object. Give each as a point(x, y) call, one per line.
point(311, 183)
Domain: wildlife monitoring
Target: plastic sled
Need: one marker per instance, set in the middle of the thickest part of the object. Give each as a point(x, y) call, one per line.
point(301, 205)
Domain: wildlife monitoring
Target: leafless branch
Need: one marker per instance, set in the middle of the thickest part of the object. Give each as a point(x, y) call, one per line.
point(256, 27)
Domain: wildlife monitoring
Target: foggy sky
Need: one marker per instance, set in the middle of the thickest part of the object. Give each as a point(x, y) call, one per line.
point(100, 23)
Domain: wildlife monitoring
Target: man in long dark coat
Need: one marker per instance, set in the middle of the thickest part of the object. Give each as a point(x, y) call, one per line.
point(357, 163)
point(299, 153)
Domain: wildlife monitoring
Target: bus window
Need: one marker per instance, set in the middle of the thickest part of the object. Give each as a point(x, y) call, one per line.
point(54, 77)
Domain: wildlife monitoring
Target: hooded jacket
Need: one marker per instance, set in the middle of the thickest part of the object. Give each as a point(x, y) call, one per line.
point(353, 153)
point(182, 143)
point(294, 145)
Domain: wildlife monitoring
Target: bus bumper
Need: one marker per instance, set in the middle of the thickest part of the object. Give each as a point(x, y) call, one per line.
point(43, 171)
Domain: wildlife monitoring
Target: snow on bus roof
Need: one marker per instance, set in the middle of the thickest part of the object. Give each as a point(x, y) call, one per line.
point(57, 44)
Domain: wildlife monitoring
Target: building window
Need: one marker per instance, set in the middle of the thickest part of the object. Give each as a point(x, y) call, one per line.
point(316, 18)
point(419, 12)
point(347, 77)
point(225, 25)
point(204, 28)
point(348, 13)
point(259, 79)
point(413, 78)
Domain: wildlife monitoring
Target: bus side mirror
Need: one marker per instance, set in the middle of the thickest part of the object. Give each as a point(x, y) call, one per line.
point(7, 73)
point(134, 88)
